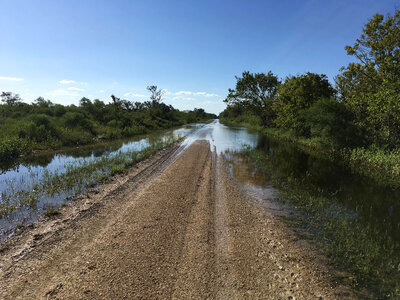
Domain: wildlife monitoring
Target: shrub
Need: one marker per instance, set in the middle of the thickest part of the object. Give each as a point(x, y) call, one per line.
point(134, 130)
point(330, 120)
point(75, 136)
point(12, 148)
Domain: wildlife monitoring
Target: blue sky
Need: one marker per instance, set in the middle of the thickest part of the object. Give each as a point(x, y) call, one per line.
point(64, 50)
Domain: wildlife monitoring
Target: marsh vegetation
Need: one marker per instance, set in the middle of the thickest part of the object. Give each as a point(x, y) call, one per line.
point(352, 218)
point(44, 125)
point(31, 189)
point(357, 120)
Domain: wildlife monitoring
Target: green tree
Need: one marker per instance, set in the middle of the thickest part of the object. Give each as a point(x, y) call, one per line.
point(370, 87)
point(10, 99)
point(256, 92)
point(296, 95)
point(330, 120)
point(41, 102)
point(156, 94)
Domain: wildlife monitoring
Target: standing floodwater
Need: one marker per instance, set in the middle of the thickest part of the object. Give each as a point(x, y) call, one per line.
point(356, 218)
point(377, 205)
point(45, 182)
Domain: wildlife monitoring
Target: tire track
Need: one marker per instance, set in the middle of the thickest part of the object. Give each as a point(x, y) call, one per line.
point(179, 227)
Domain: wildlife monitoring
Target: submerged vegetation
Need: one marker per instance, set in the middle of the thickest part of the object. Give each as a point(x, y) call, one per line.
point(73, 178)
point(44, 125)
point(370, 252)
point(358, 120)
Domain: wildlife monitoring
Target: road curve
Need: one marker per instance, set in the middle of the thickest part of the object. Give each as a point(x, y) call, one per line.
point(176, 227)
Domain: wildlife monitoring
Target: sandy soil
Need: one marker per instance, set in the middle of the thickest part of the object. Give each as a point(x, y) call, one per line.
point(177, 226)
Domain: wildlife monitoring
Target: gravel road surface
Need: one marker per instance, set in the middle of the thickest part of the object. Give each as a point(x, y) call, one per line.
point(175, 227)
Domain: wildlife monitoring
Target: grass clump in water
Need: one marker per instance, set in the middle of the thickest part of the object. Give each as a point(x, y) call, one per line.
point(52, 212)
point(78, 177)
point(351, 242)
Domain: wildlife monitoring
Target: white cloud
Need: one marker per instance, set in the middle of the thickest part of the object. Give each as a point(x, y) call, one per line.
point(133, 95)
point(101, 91)
point(11, 78)
point(205, 94)
point(62, 92)
point(166, 92)
point(183, 98)
point(211, 95)
point(188, 93)
point(67, 81)
point(72, 88)
point(184, 93)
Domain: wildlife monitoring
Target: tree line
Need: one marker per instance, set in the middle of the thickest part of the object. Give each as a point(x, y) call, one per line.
point(361, 109)
point(44, 125)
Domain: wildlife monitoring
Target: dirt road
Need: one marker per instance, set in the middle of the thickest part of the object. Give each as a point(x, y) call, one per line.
point(179, 227)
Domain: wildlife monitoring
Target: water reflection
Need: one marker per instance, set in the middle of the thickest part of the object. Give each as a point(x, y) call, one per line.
point(376, 205)
point(20, 181)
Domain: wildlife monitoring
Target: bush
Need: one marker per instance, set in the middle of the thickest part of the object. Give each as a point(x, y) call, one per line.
point(74, 119)
point(40, 120)
point(75, 137)
point(331, 121)
point(12, 148)
point(134, 130)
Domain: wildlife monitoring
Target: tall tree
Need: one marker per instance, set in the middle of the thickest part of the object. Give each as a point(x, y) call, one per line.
point(156, 94)
point(10, 99)
point(297, 94)
point(370, 87)
point(256, 92)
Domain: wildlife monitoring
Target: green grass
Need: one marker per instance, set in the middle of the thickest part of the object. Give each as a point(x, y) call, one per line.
point(371, 257)
point(52, 212)
point(383, 166)
point(77, 177)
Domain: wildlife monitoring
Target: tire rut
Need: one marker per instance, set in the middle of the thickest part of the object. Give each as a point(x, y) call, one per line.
point(179, 227)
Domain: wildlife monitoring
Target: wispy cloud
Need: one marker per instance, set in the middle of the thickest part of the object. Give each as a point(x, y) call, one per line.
point(72, 88)
point(11, 78)
point(62, 92)
point(101, 91)
point(133, 95)
point(183, 98)
point(67, 81)
point(211, 95)
point(183, 93)
point(189, 93)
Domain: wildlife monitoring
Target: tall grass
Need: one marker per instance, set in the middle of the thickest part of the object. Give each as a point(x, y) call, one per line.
point(370, 255)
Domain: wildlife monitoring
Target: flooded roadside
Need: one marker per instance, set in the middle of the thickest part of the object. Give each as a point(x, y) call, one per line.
point(46, 181)
point(355, 220)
